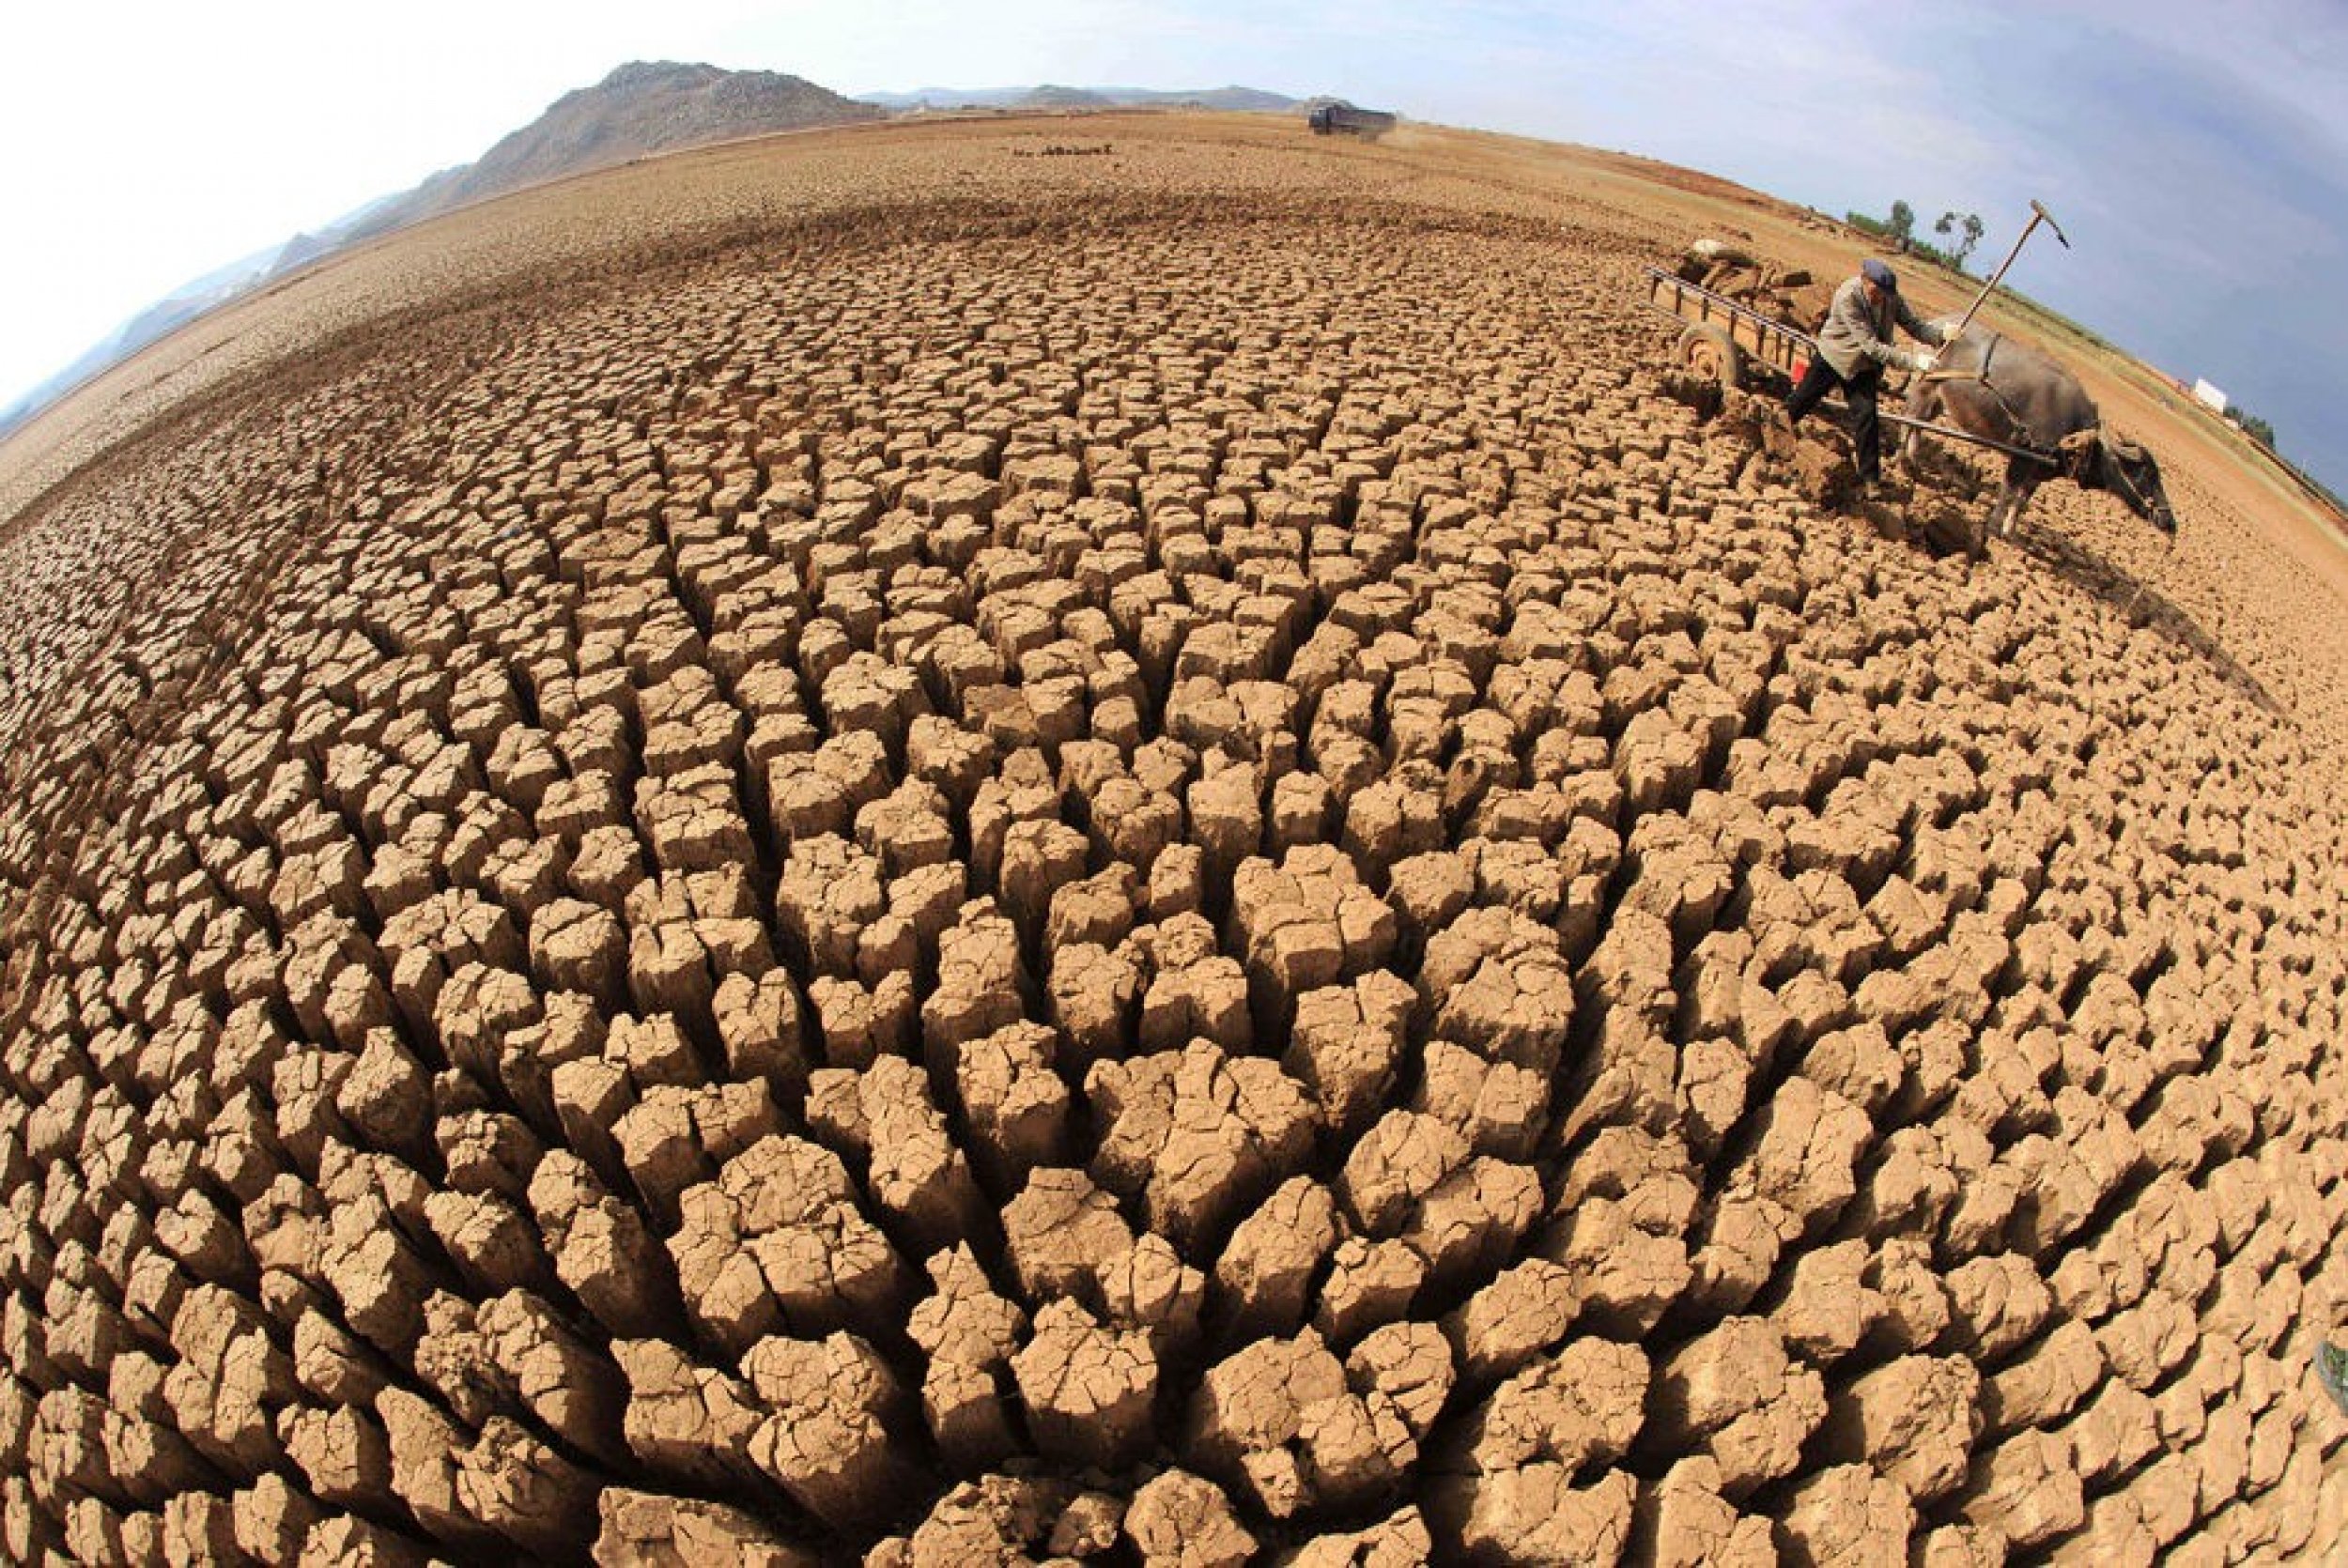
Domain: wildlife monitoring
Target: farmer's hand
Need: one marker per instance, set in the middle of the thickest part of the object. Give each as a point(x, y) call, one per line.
point(1919, 361)
point(1948, 331)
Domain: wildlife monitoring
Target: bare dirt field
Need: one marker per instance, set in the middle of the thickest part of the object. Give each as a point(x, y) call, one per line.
point(908, 846)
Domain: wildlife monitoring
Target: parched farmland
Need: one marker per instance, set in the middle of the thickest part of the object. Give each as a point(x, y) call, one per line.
point(877, 848)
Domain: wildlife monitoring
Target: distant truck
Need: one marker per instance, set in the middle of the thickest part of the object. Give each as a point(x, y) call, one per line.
point(1343, 119)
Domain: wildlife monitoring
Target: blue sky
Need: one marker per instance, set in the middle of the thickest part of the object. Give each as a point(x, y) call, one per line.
point(2197, 155)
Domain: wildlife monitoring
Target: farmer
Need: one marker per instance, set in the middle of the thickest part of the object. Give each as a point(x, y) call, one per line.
point(1854, 347)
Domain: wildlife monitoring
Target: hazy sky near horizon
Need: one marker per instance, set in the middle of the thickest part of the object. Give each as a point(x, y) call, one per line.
point(2196, 155)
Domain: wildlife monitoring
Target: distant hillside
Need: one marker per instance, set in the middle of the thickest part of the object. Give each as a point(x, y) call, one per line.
point(640, 109)
point(1048, 97)
point(1250, 100)
point(183, 305)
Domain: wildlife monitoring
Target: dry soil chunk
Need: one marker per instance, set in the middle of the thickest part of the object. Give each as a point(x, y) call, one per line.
point(1346, 1044)
point(830, 890)
point(517, 1484)
point(1582, 1405)
point(979, 978)
point(1828, 1307)
point(1805, 1161)
point(2027, 1487)
point(998, 1518)
point(1498, 1107)
point(1088, 1389)
point(1263, 1277)
point(914, 1169)
point(1737, 1391)
point(1536, 1516)
point(1689, 1524)
point(828, 1441)
point(1307, 922)
point(1063, 1233)
point(1498, 984)
point(1282, 1422)
point(654, 1532)
point(1193, 992)
point(1995, 1303)
point(1914, 1419)
point(1396, 1164)
point(1400, 1541)
point(602, 1249)
point(970, 1334)
point(777, 1241)
point(690, 1422)
point(1846, 1514)
point(1197, 1134)
point(1181, 1520)
point(1017, 1102)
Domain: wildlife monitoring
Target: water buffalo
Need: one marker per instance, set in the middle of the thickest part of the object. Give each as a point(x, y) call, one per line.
point(1988, 385)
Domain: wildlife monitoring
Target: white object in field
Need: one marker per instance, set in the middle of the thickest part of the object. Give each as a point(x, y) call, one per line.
point(2210, 397)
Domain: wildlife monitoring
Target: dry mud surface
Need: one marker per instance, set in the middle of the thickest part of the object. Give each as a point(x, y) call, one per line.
point(913, 853)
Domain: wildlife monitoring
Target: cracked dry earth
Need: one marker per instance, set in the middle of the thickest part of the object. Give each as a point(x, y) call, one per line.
point(1129, 880)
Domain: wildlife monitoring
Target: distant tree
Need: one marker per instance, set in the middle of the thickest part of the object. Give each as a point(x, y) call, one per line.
point(1902, 228)
point(1966, 224)
point(2253, 426)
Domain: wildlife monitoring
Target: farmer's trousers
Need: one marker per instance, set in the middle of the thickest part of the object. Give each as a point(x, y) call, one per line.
point(1858, 392)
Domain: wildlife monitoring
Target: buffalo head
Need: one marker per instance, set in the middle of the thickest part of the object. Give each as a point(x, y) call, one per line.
point(2130, 473)
point(2098, 460)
